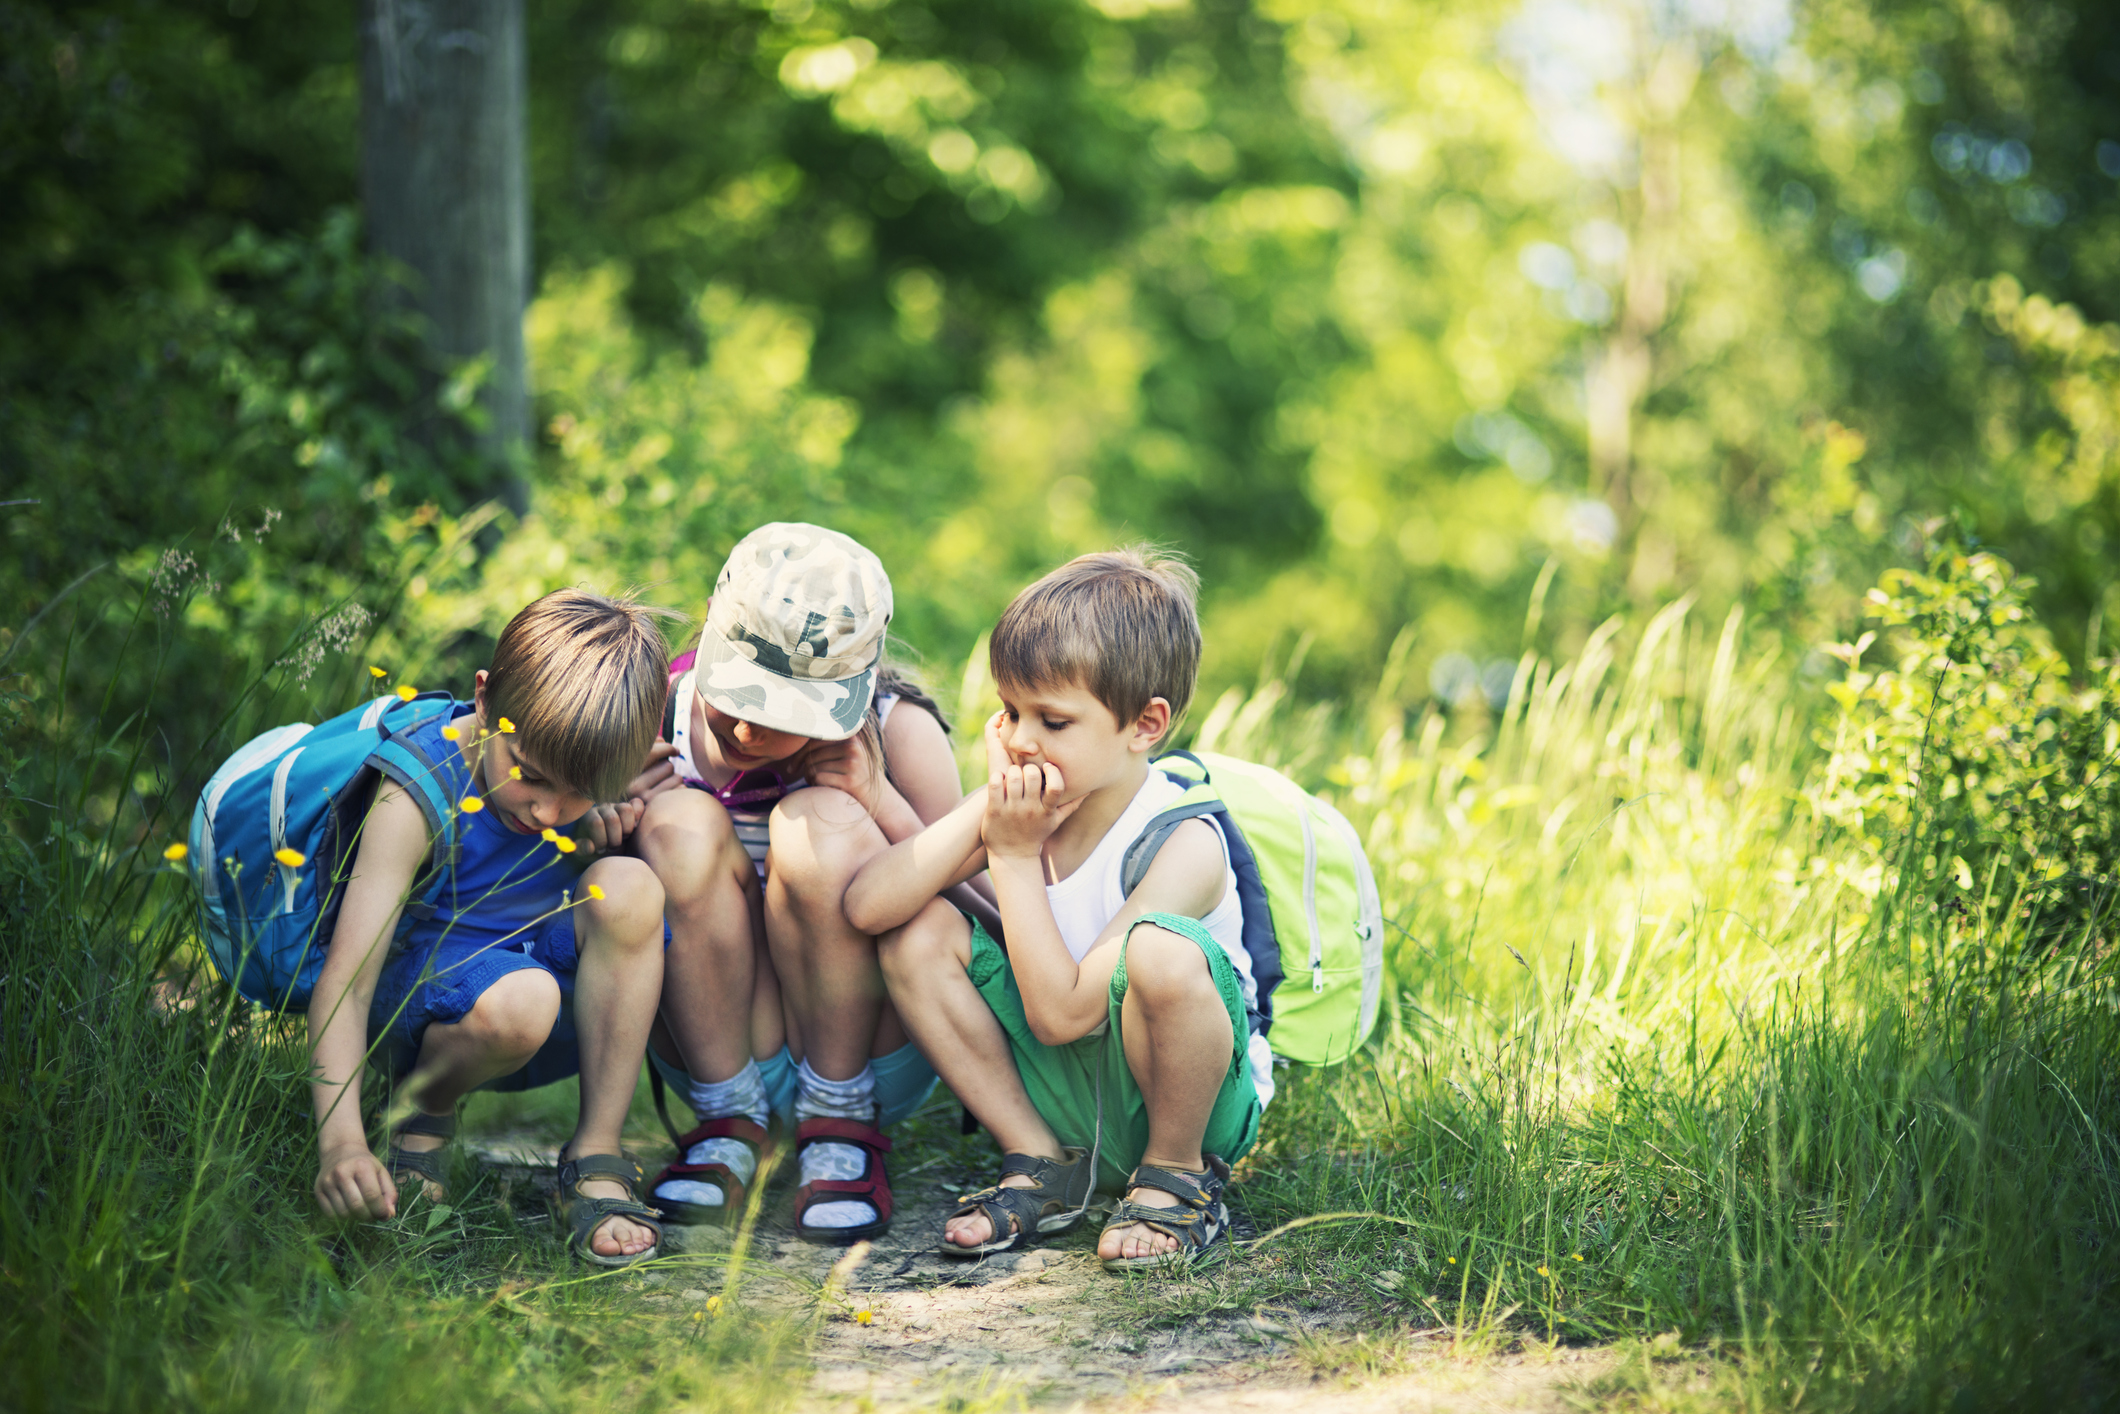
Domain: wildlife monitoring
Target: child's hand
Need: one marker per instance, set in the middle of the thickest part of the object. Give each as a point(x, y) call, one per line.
point(605, 827)
point(848, 766)
point(1022, 802)
point(656, 774)
point(352, 1183)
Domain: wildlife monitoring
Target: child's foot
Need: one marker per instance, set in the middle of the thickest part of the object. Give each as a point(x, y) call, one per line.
point(713, 1173)
point(1169, 1217)
point(1034, 1197)
point(846, 1192)
point(1139, 1239)
point(976, 1228)
point(415, 1154)
point(407, 1175)
point(617, 1235)
point(606, 1224)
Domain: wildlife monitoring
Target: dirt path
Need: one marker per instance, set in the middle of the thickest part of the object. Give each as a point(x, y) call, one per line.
point(910, 1328)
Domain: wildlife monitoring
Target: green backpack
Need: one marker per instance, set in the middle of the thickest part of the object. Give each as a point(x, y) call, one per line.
point(1310, 901)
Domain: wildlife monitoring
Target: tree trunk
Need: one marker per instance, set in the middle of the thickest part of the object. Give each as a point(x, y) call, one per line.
point(446, 189)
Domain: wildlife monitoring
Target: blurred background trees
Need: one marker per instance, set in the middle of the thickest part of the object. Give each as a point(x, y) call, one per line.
point(1395, 317)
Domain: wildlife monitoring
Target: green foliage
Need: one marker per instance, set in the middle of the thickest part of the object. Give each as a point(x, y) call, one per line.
point(1972, 749)
point(158, 1248)
point(1676, 1060)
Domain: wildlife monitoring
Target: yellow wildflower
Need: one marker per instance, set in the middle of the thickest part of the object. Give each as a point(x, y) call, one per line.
point(565, 846)
point(1578, 1256)
point(550, 835)
point(515, 773)
point(1453, 1261)
point(506, 726)
point(1544, 1273)
point(451, 734)
point(471, 805)
point(862, 1318)
point(596, 893)
point(175, 853)
point(375, 672)
point(292, 858)
point(714, 1305)
point(406, 692)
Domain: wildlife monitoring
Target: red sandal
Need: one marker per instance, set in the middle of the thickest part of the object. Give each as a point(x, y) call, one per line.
point(740, 1127)
point(873, 1187)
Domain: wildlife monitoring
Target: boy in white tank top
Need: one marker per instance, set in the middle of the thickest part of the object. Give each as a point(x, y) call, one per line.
point(1108, 1044)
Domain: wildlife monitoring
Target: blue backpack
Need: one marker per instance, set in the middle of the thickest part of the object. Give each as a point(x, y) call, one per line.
point(267, 924)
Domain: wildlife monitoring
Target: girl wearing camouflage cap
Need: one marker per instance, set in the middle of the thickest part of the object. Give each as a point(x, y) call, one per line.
point(789, 761)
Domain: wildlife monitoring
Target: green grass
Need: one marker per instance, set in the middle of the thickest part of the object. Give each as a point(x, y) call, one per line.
point(1672, 1058)
point(1774, 1123)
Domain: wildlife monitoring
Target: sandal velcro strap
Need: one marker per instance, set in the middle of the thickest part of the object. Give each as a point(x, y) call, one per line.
point(1191, 1189)
point(741, 1127)
point(841, 1131)
point(590, 1167)
point(427, 1163)
point(433, 1126)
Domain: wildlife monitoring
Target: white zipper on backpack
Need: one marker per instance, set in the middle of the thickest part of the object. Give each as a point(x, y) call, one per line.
point(1310, 902)
point(288, 877)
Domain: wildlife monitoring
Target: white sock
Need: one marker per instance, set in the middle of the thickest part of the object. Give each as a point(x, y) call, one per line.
point(742, 1094)
point(819, 1098)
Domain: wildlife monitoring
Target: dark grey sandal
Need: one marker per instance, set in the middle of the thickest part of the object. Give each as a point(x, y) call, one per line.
point(421, 1163)
point(1056, 1202)
point(583, 1215)
point(1199, 1222)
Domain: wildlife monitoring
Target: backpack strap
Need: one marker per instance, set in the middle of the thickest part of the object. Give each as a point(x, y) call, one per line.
point(406, 762)
point(1202, 802)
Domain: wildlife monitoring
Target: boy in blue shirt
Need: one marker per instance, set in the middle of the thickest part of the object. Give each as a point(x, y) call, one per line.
point(526, 971)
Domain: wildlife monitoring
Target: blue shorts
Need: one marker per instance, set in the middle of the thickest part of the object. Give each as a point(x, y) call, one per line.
point(442, 982)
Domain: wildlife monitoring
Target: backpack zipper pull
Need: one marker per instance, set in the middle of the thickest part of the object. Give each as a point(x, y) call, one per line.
point(1317, 977)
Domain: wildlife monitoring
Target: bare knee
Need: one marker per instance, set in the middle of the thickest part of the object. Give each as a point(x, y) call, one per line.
point(514, 1016)
point(1167, 969)
point(621, 903)
point(935, 938)
point(820, 838)
point(688, 839)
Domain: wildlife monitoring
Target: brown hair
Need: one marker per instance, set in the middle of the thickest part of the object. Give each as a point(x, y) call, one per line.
point(582, 677)
point(1123, 623)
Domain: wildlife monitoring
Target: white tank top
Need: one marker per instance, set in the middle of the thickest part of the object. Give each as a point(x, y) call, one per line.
point(1086, 900)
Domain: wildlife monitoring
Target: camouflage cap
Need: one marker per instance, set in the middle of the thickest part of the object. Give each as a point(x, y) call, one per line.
point(795, 631)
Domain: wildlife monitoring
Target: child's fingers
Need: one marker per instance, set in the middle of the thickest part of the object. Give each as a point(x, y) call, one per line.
point(1050, 781)
point(996, 753)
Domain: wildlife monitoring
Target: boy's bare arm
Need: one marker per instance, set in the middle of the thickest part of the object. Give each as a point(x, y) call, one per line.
point(898, 883)
point(350, 1181)
point(1064, 1000)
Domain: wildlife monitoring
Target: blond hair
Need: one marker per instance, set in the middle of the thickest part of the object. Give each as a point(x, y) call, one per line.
point(1124, 624)
point(582, 677)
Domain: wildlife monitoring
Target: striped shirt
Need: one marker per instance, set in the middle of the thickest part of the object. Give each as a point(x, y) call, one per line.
point(749, 796)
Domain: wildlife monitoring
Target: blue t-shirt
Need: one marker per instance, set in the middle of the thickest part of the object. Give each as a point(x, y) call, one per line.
point(500, 881)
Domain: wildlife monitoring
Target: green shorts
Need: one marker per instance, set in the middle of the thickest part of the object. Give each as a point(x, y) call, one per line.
point(1064, 1082)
